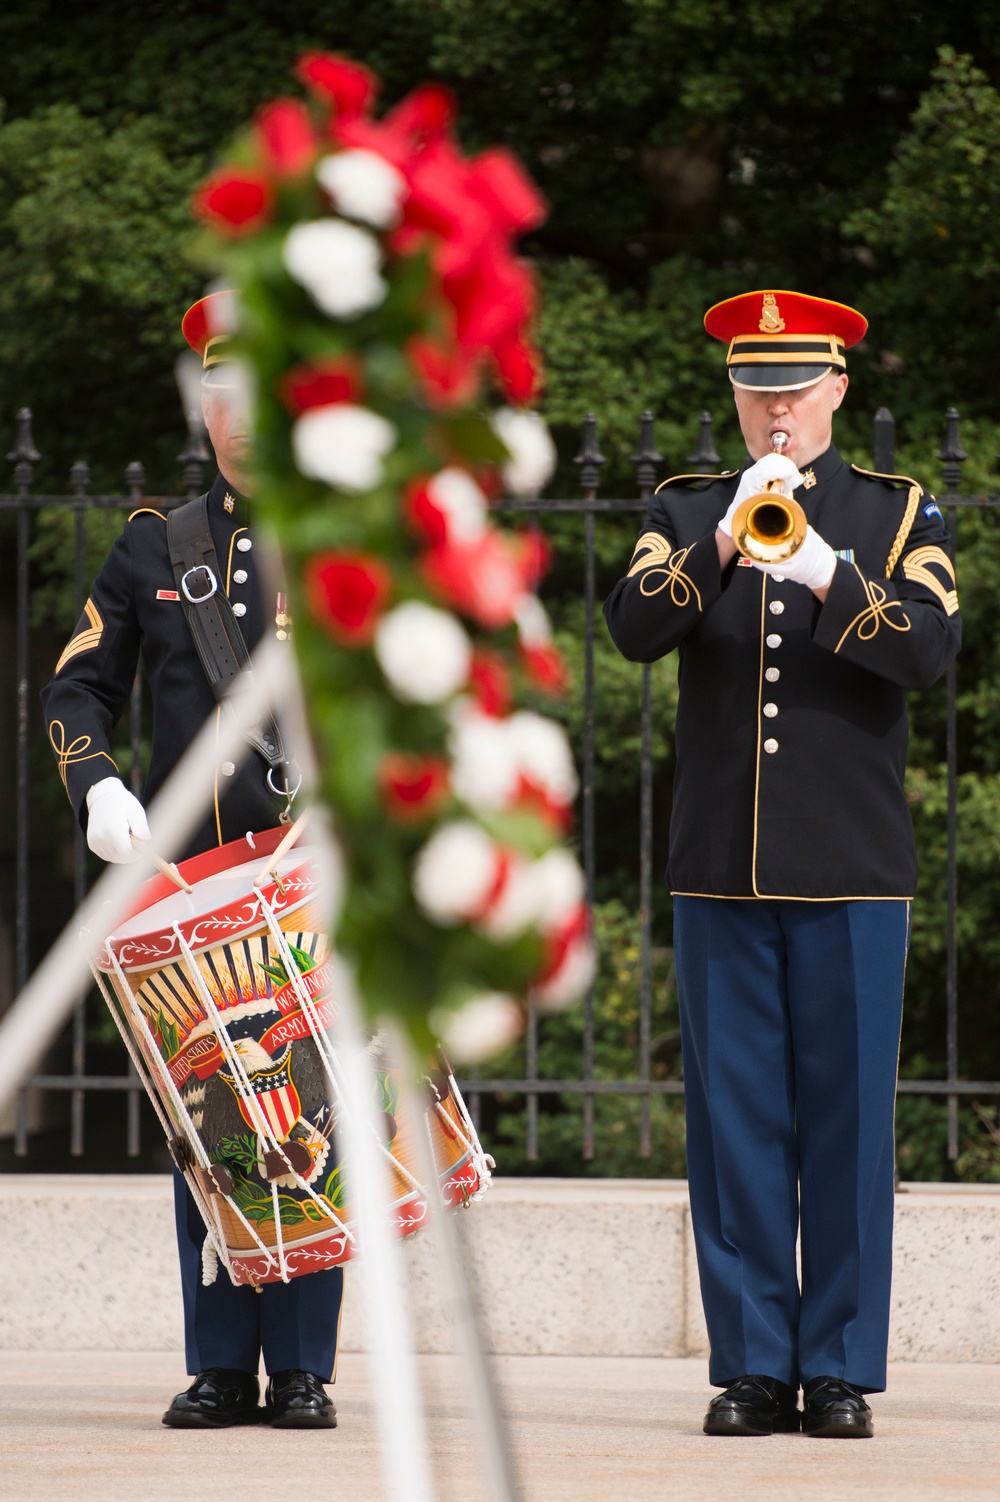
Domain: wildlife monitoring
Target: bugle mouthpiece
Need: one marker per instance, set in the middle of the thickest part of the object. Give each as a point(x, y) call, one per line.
point(779, 441)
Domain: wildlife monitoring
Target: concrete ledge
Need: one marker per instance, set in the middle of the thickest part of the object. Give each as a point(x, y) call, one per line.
point(564, 1266)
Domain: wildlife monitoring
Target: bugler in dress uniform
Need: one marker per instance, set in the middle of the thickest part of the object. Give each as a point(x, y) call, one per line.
point(792, 862)
point(135, 610)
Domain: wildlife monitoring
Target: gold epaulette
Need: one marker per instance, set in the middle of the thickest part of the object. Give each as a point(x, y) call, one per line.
point(727, 474)
point(147, 511)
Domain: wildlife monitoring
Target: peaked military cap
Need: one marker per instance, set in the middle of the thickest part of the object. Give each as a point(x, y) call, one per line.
point(208, 326)
point(783, 341)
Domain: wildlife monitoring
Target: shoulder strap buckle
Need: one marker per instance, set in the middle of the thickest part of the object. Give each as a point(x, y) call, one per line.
point(213, 584)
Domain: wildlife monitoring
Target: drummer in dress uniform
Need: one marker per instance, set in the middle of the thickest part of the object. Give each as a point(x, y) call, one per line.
point(792, 863)
point(135, 611)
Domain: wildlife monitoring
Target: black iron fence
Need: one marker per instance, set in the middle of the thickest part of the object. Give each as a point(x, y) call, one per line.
point(589, 507)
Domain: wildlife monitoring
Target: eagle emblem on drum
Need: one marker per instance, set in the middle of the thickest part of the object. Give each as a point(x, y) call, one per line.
point(260, 1092)
point(272, 1094)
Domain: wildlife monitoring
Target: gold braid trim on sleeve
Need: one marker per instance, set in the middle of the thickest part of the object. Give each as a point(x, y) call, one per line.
point(656, 558)
point(876, 612)
point(912, 502)
point(76, 750)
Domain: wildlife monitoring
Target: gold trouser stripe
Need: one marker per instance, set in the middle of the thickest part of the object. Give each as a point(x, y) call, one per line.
point(83, 641)
point(912, 502)
point(760, 730)
point(916, 567)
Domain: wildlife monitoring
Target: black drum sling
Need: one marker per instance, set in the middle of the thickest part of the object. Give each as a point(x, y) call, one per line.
point(216, 632)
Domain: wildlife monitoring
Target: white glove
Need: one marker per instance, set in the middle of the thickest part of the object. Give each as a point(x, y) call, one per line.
point(812, 564)
point(115, 818)
point(754, 480)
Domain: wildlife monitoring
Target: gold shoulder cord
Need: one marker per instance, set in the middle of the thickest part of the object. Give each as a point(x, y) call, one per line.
point(912, 502)
point(726, 474)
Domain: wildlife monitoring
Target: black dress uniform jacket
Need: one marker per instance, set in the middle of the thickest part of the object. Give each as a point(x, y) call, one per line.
point(791, 722)
point(134, 610)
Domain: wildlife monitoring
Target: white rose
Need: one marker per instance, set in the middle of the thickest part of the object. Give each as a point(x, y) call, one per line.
point(544, 894)
point(455, 872)
point(480, 1028)
point(515, 908)
point(559, 889)
point(456, 493)
point(343, 445)
point(532, 459)
point(424, 653)
point(338, 264)
point(571, 980)
point(484, 766)
point(533, 625)
point(543, 755)
point(363, 185)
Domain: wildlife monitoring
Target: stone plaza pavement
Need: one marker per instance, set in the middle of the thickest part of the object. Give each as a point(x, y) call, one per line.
point(78, 1426)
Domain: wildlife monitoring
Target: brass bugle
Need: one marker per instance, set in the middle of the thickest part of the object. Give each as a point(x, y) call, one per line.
point(771, 525)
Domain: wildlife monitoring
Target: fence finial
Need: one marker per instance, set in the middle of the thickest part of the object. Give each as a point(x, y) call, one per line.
point(135, 479)
point(590, 457)
point(24, 456)
point(646, 457)
point(884, 442)
point(951, 454)
point(704, 457)
point(194, 456)
point(79, 477)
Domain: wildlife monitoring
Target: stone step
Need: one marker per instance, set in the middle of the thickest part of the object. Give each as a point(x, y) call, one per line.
point(564, 1267)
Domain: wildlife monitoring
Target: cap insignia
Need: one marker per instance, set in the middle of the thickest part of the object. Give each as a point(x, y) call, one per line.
point(229, 503)
point(771, 321)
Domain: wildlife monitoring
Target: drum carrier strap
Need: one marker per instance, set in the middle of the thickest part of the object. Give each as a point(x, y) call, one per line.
point(216, 632)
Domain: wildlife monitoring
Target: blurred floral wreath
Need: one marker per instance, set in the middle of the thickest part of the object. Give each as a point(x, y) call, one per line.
point(377, 295)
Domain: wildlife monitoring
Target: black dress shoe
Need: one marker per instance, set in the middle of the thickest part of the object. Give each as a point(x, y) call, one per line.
point(754, 1405)
point(835, 1410)
point(217, 1398)
point(298, 1400)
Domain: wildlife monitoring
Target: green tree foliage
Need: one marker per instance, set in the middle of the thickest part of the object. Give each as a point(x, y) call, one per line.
point(92, 222)
point(689, 149)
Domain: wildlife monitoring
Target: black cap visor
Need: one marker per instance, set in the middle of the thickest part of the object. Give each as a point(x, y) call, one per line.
point(767, 377)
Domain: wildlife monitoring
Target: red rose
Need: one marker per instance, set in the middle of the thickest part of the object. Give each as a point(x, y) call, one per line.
point(426, 113)
point(286, 136)
point(412, 787)
point(350, 87)
point(546, 667)
point(493, 301)
point(448, 377)
point(423, 513)
point(346, 593)
point(500, 183)
point(233, 200)
point(519, 368)
point(489, 680)
point(485, 577)
point(320, 385)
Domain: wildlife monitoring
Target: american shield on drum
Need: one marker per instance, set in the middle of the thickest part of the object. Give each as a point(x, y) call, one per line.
point(224, 997)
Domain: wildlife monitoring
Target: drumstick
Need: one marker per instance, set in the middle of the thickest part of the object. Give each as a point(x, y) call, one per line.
point(287, 842)
point(167, 868)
